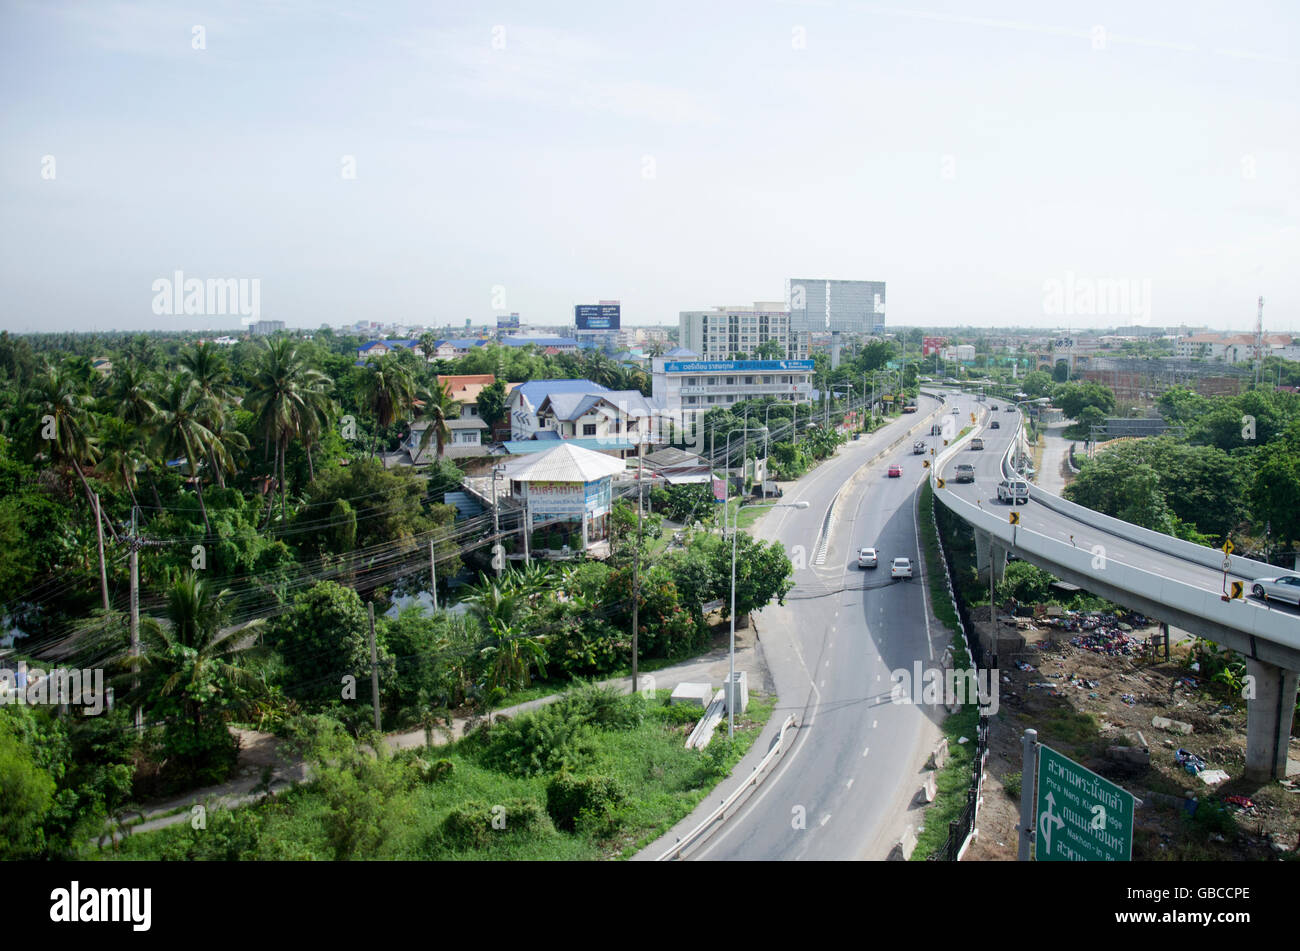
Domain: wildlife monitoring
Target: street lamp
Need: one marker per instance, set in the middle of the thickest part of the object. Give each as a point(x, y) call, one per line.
point(726, 465)
point(496, 523)
point(731, 679)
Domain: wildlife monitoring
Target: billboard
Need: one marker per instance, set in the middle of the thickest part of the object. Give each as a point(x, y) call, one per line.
point(597, 316)
point(829, 305)
point(931, 345)
point(740, 366)
point(508, 323)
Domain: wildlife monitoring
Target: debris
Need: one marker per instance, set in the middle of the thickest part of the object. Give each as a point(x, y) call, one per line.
point(1212, 777)
point(1189, 761)
point(1021, 665)
point(1242, 802)
point(1129, 699)
point(962, 739)
point(1173, 726)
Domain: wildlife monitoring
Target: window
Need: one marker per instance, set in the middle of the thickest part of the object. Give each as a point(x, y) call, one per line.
point(588, 429)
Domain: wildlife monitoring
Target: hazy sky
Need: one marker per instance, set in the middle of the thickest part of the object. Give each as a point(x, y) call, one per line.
point(672, 155)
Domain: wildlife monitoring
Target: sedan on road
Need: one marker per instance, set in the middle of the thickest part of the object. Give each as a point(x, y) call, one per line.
point(1285, 588)
point(901, 568)
point(895, 471)
point(995, 425)
point(867, 558)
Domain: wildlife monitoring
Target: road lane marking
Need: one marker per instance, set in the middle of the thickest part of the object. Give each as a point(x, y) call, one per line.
point(825, 819)
point(865, 752)
point(849, 784)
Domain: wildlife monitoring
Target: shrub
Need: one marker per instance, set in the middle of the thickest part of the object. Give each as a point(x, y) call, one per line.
point(589, 801)
point(436, 772)
point(1011, 783)
point(544, 741)
point(603, 707)
point(472, 825)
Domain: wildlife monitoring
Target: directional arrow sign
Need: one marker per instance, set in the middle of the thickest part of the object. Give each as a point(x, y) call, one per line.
point(1227, 546)
point(1014, 517)
point(1080, 817)
point(941, 483)
point(1237, 588)
point(925, 463)
point(972, 417)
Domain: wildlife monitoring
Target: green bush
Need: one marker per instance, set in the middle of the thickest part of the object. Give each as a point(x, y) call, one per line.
point(1011, 783)
point(472, 825)
point(679, 714)
point(436, 772)
point(587, 801)
point(603, 708)
point(543, 741)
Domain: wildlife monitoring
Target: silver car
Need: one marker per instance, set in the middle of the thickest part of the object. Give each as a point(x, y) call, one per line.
point(1285, 588)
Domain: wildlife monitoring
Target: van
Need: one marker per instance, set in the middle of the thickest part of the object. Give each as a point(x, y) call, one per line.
point(965, 472)
point(1013, 491)
point(977, 443)
point(918, 448)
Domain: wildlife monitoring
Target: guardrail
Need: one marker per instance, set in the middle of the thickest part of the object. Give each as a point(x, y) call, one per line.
point(720, 813)
point(1254, 631)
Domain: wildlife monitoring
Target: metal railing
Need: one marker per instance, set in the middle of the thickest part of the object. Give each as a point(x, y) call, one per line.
point(719, 814)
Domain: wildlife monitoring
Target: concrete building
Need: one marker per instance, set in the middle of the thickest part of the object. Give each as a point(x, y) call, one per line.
point(264, 328)
point(723, 332)
point(685, 387)
point(526, 398)
point(846, 307)
point(615, 416)
point(566, 494)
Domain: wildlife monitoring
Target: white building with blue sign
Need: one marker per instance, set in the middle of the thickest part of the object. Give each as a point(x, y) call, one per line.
point(688, 386)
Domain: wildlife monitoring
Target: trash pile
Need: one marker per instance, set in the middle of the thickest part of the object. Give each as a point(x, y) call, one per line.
point(1189, 761)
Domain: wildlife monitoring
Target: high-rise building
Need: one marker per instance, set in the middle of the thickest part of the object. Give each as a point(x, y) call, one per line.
point(856, 307)
point(720, 333)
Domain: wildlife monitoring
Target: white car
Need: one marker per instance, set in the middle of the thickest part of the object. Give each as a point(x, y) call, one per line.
point(867, 558)
point(1285, 588)
point(901, 568)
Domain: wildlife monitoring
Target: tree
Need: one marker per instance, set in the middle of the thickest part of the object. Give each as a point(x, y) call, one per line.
point(1275, 492)
point(26, 797)
point(1037, 383)
point(324, 638)
point(181, 432)
point(388, 392)
point(509, 652)
point(438, 408)
point(492, 405)
point(1061, 372)
point(191, 673)
point(1027, 583)
point(287, 398)
point(770, 350)
point(1071, 398)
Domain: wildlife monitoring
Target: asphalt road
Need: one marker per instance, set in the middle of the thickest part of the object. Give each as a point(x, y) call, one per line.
point(843, 788)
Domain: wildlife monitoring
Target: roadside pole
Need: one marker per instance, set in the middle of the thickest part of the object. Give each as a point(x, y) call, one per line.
point(1028, 770)
point(433, 573)
point(374, 666)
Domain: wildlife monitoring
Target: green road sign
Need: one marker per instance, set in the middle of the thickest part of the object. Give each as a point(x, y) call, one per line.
point(1080, 816)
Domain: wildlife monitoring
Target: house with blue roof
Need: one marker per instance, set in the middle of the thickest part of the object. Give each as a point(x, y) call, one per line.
point(615, 416)
point(558, 344)
point(525, 399)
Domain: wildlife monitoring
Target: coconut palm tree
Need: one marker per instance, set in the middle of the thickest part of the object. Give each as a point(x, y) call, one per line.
point(124, 455)
point(509, 654)
point(190, 669)
point(62, 404)
point(288, 397)
point(428, 346)
point(437, 408)
point(388, 391)
point(182, 432)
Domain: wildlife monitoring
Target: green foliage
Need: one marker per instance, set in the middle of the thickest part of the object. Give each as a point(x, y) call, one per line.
point(26, 798)
point(1073, 398)
point(1011, 784)
point(587, 802)
point(474, 825)
point(1027, 583)
point(323, 637)
point(540, 742)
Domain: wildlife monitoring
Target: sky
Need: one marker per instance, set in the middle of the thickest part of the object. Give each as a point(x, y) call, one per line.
point(996, 163)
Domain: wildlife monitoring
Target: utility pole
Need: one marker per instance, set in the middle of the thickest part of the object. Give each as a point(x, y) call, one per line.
point(374, 665)
point(528, 530)
point(135, 617)
point(99, 534)
point(636, 564)
point(497, 558)
point(433, 576)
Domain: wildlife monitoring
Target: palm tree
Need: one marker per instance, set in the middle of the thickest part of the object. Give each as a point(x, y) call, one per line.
point(190, 666)
point(510, 655)
point(63, 404)
point(131, 398)
point(288, 398)
point(438, 408)
point(428, 346)
point(182, 432)
point(388, 392)
point(124, 455)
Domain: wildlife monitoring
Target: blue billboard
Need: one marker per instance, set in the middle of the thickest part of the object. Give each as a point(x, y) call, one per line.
point(508, 323)
point(739, 366)
point(597, 316)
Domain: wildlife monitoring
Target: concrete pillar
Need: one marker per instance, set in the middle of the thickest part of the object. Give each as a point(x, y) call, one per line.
point(982, 540)
point(1268, 720)
point(998, 556)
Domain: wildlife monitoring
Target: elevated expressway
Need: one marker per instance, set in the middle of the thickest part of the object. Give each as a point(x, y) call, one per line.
point(1165, 578)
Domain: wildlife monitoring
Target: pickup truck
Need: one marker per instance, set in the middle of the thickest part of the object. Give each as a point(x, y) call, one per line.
point(965, 472)
point(910, 408)
point(918, 449)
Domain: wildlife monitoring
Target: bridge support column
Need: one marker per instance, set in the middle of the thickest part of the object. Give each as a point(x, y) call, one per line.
point(982, 542)
point(1268, 719)
point(998, 556)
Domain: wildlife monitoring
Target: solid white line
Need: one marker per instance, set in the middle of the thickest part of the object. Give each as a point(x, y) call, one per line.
point(866, 751)
point(849, 784)
point(925, 587)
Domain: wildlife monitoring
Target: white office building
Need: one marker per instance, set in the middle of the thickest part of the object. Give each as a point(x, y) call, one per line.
point(685, 386)
point(723, 332)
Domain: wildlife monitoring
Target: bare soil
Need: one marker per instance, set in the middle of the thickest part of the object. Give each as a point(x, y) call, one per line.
point(1082, 702)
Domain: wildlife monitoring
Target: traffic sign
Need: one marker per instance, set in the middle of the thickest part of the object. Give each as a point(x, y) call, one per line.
point(1080, 817)
point(1014, 518)
point(1237, 589)
point(1227, 546)
point(925, 463)
point(972, 417)
point(941, 483)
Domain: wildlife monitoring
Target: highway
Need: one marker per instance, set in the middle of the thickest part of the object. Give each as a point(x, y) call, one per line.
point(842, 789)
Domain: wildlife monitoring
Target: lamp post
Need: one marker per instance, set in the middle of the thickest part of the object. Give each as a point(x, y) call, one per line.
point(731, 678)
point(496, 523)
point(841, 388)
point(727, 470)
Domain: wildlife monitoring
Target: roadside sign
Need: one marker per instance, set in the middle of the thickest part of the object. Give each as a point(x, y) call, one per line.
point(1227, 546)
point(925, 463)
point(1080, 817)
point(1014, 518)
point(941, 483)
point(972, 417)
point(1237, 589)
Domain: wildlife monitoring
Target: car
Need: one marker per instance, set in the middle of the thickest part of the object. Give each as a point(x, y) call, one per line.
point(910, 408)
point(965, 472)
point(995, 425)
point(918, 448)
point(977, 443)
point(895, 471)
point(867, 558)
point(994, 407)
point(1012, 491)
point(956, 411)
point(901, 568)
point(1011, 409)
point(1284, 588)
point(936, 430)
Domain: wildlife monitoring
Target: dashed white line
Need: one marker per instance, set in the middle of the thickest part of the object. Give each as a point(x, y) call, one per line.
point(873, 724)
point(865, 752)
point(825, 819)
point(849, 784)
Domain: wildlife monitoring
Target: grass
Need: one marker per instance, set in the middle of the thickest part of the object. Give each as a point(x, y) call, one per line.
point(663, 781)
point(953, 780)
